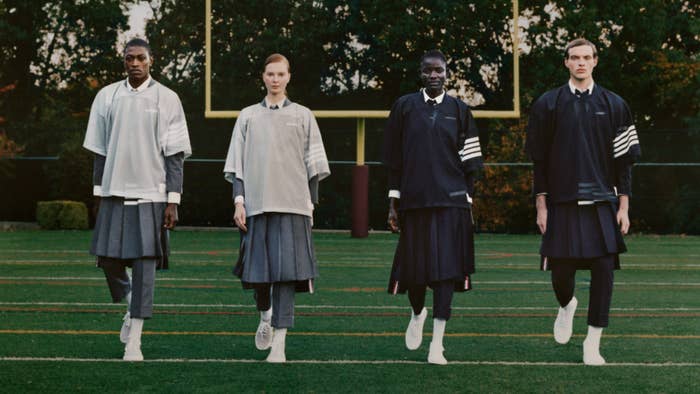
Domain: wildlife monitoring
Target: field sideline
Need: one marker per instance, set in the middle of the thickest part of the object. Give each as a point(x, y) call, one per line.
point(59, 331)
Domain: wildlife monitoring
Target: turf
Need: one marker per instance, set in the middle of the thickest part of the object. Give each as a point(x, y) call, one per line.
point(59, 331)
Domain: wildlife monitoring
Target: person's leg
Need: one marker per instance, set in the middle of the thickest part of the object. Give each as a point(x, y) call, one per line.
point(143, 279)
point(442, 310)
point(602, 278)
point(564, 283)
point(283, 318)
point(119, 284)
point(117, 278)
point(414, 331)
point(263, 302)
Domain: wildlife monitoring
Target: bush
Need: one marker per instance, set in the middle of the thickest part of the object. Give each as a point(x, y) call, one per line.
point(64, 215)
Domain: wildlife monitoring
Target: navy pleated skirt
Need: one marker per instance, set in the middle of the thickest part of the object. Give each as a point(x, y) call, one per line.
point(278, 247)
point(130, 231)
point(581, 232)
point(435, 244)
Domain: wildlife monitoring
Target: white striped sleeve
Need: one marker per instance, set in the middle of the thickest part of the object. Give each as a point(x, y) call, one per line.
point(471, 149)
point(624, 141)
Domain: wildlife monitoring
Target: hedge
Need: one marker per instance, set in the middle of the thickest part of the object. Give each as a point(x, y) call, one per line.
point(62, 215)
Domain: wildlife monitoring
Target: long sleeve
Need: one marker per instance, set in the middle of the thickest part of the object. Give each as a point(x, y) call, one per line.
point(98, 169)
point(313, 189)
point(626, 148)
point(174, 176)
point(393, 147)
point(238, 187)
point(624, 180)
point(470, 152)
point(537, 144)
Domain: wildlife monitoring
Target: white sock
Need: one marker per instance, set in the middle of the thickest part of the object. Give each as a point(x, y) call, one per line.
point(128, 301)
point(135, 331)
point(593, 336)
point(438, 330)
point(266, 315)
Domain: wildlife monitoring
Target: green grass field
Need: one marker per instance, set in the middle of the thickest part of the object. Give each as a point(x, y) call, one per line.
point(59, 331)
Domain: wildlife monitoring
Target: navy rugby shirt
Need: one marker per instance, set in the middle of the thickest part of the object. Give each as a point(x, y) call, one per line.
point(583, 145)
point(432, 152)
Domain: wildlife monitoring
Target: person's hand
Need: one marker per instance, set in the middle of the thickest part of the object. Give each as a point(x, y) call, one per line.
point(170, 220)
point(541, 204)
point(239, 216)
point(623, 219)
point(393, 217)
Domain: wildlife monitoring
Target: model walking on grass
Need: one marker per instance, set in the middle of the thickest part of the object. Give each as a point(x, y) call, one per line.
point(583, 142)
point(431, 146)
point(275, 161)
point(138, 133)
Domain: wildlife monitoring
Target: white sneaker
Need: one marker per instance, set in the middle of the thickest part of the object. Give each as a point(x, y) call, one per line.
point(414, 332)
point(435, 355)
point(124, 333)
point(564, 324)
point(132, 352)
point(277, 354)
point(263, 337)
point(591, 354)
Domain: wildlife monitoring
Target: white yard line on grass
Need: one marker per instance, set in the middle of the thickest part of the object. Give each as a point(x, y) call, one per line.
point(371, 307)
point(484, 282)
point(345, 362)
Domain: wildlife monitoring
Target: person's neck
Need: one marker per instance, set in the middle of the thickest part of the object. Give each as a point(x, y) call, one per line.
point(582, 84)
point(273, 99)
point(432, 93)
point(136, 83)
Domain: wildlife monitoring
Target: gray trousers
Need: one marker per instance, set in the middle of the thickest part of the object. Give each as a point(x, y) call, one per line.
point(141, 286)
point(282, 302)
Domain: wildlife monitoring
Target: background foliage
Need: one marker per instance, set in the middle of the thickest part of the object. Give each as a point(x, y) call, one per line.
point(352, 54)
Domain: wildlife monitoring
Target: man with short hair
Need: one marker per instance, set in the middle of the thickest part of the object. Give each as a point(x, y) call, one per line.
point(138, 133)
point(431, 146)
point(583, 142)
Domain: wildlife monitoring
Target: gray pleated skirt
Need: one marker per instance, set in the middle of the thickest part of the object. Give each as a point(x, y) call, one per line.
point(278, 247)
point(129, 232)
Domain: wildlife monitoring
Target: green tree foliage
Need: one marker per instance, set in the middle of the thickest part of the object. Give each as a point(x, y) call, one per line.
point(56, 53)
point(364, 54)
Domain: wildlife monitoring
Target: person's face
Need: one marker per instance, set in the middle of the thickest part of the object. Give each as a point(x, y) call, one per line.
point(433, 72)
point(581, 62)
point(276, 77)
point(137, 63)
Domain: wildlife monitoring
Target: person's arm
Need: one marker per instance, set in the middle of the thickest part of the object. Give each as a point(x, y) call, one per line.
point(623, 219)
point(540, 189)
point(174, 177)
point(393, 158)
point(98, 169)
point(541, 205)
point(239, 213)
point(537, 147)
point(393, 217)
point(626, 152)
point(470, 151)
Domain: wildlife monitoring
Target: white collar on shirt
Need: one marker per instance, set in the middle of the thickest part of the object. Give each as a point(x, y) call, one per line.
point(141, 87)
point(279, 104)
point(438, 99)
point(574, 88)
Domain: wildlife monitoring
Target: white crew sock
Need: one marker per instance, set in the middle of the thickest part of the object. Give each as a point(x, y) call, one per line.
point(435, 355)
point(591, 347)
point(277, 349)
point(438, 330)
point(135, 330)
point(266, 315)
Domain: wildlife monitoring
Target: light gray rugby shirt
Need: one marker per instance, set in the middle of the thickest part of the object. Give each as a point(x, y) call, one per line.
point(275, 153)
